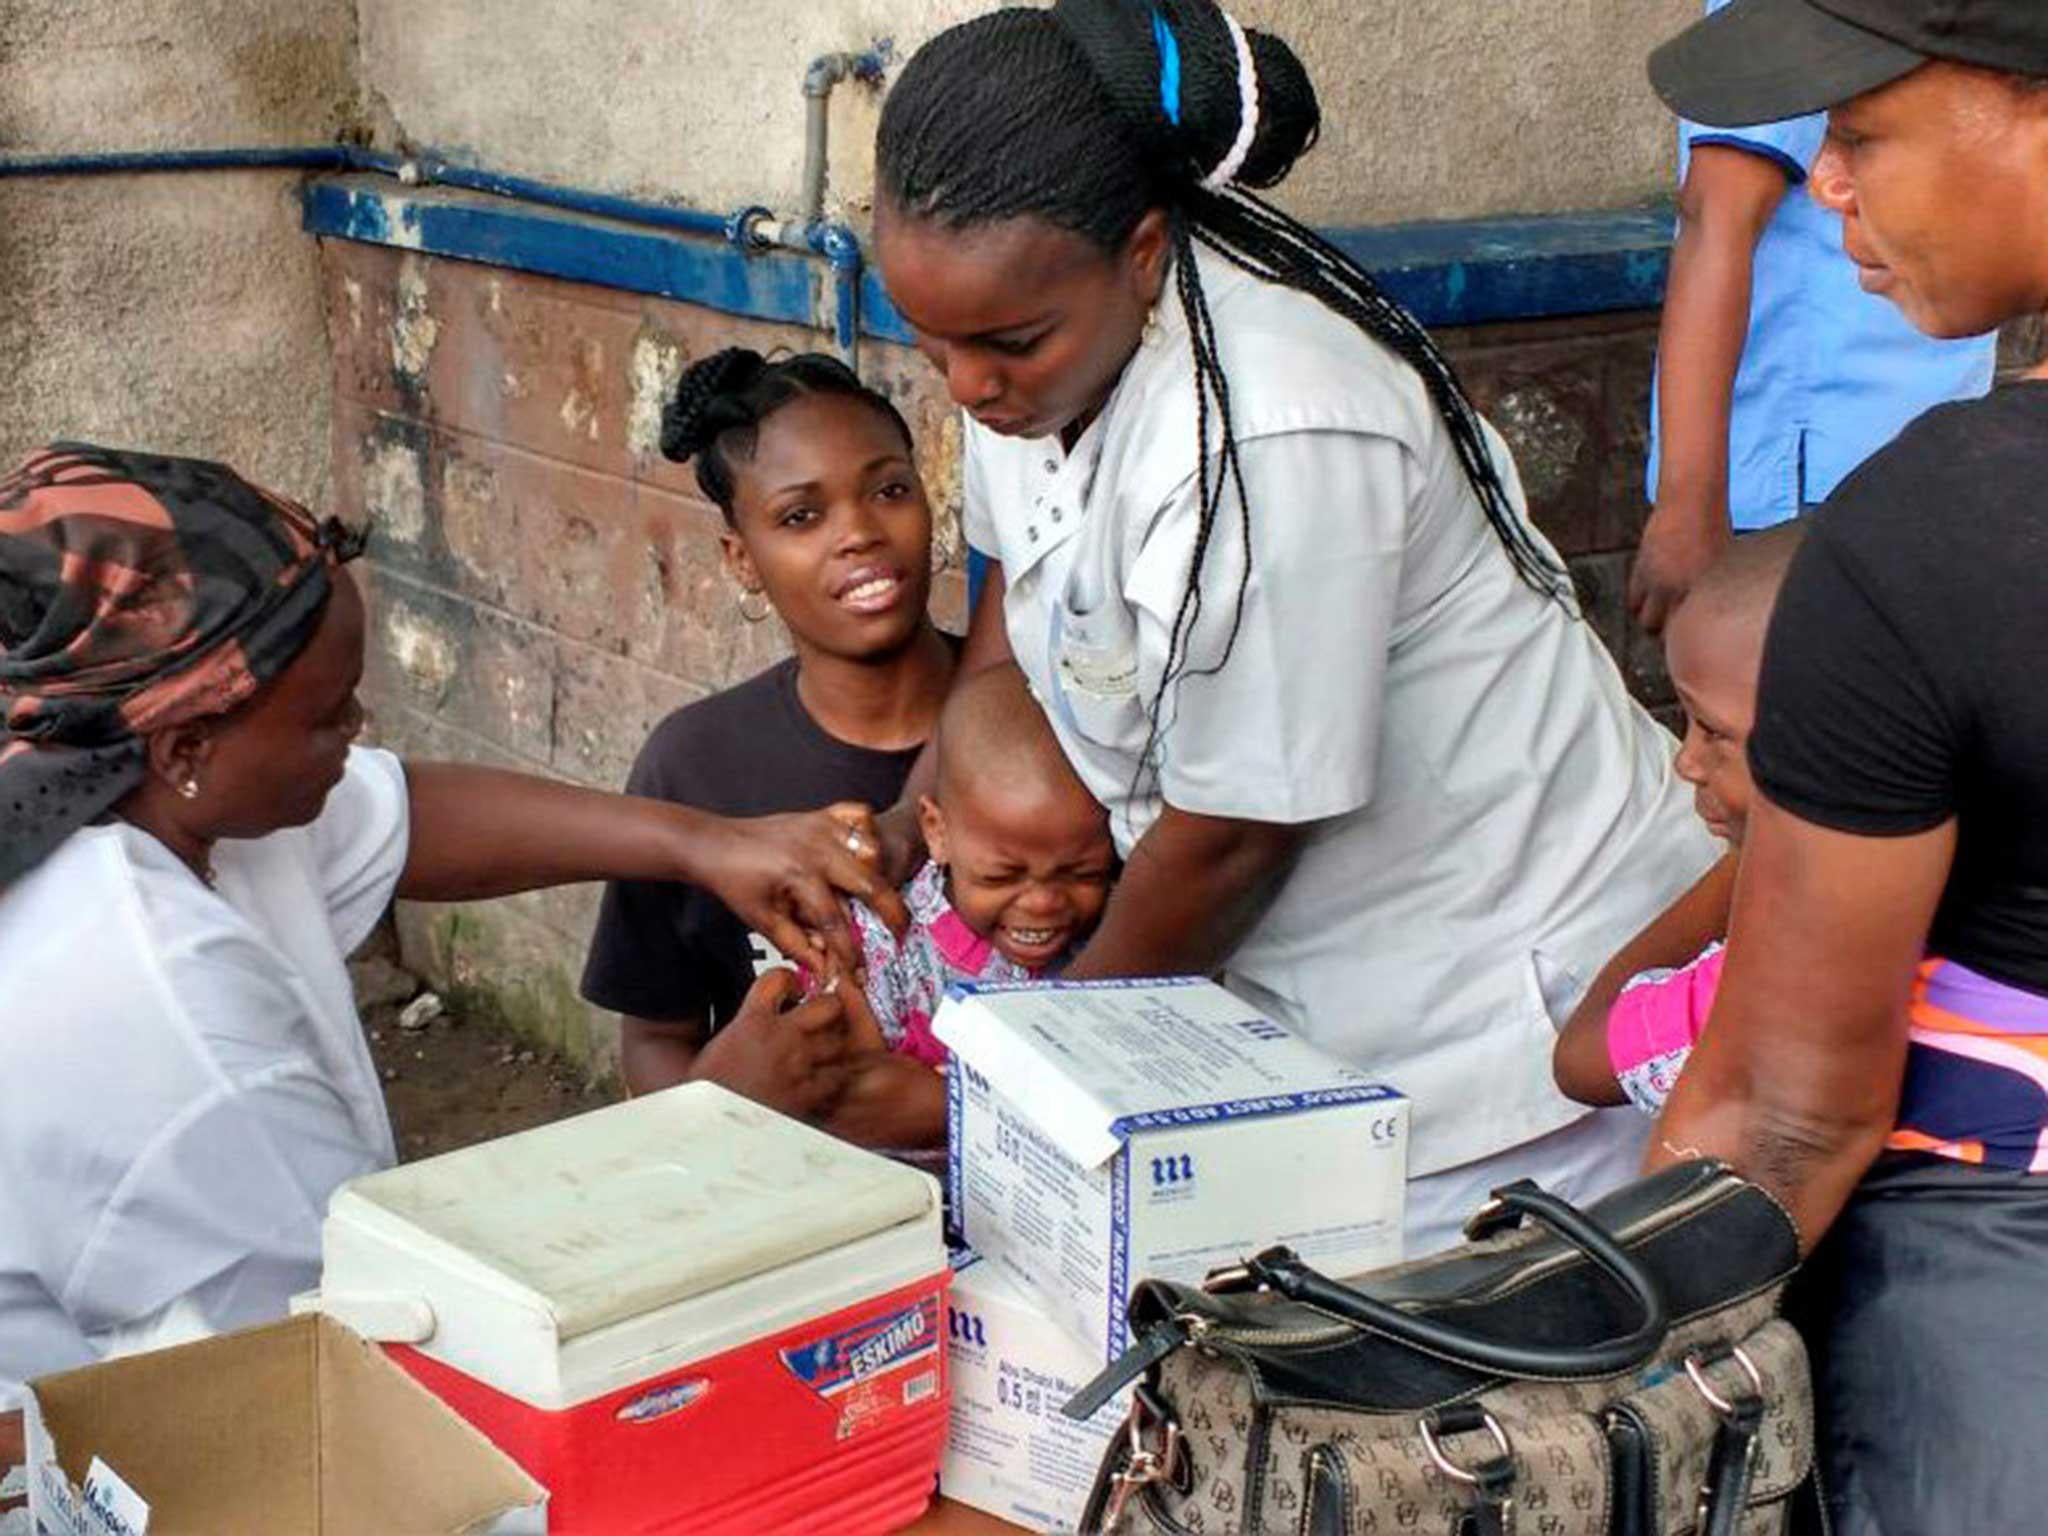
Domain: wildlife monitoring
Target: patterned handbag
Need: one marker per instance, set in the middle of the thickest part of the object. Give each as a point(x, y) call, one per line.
point(1618, 1371)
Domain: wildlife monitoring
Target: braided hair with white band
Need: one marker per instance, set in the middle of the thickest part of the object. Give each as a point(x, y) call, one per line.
point(1247, 111)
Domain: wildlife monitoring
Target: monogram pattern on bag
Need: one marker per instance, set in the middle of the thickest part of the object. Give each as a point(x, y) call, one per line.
point(1560, 1460)
point(1213, 1398)
point(1682, 1425)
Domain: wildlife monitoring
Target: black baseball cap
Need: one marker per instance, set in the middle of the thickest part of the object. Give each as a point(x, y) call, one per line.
point(1758, 61)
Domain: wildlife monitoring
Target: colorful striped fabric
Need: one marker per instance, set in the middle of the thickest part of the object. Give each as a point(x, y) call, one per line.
point(1976, 1084)
point(137, 592)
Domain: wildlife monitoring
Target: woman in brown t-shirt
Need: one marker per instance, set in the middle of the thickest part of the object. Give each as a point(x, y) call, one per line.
point(827, 526)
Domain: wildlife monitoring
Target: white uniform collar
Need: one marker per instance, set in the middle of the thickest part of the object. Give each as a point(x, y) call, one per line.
point(1066, 478)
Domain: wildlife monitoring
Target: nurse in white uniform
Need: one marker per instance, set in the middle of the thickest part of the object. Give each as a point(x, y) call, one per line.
point(1273, 580)
point(189, 848)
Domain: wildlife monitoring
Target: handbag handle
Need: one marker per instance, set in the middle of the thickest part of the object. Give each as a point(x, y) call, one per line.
point(1295, 1280)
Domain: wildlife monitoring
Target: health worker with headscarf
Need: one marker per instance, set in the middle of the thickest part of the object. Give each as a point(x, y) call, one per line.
point(190, 846)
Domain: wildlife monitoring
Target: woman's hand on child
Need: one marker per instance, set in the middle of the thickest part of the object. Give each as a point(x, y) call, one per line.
point(892, 1102)
point(784, 876)
point(863, 1032)
point(902, 842)
point(788, 1055)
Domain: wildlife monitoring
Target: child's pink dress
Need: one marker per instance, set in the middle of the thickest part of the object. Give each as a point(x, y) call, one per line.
point(907, 980)
point(1653, 1025)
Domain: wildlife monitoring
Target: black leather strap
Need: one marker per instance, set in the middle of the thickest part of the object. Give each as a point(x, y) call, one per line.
point(1725, 1496)
point(1288, 1275)
point(1327, 1511)
point(1152, 1346)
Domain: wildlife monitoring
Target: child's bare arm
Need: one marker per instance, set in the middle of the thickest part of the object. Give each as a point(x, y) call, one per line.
point(1582, 1065)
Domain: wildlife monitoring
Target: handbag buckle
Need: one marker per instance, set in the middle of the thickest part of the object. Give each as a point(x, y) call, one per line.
point(1696, 1373)
point(1262, 1269)
point(1490, 1484)
point(1163, 1460)
point(1229, 1279)
point(1432, 1427)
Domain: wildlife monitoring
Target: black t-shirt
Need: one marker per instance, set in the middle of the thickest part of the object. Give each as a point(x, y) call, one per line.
point(667, 951)
point(1905, 678)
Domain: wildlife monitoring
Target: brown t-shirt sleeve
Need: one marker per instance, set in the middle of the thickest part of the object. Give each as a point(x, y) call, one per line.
point(663, 950)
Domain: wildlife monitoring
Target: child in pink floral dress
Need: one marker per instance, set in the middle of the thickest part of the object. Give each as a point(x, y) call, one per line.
point(1020, 868)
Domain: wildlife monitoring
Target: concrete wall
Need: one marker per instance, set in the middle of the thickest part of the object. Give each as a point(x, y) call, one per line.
point(174, 312)
point(1442, 109)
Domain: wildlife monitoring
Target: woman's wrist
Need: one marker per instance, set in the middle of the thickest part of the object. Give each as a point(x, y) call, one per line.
point(690, 841)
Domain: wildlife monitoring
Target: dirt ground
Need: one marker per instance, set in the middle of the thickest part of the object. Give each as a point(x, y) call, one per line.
point(456, 1081)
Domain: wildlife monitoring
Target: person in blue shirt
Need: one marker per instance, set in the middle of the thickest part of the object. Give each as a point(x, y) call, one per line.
point(1776, 373)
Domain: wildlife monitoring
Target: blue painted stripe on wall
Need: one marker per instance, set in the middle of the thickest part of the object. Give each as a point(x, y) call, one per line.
point(1469, 271)
point(1461, 272)
point(878, 315)
point(768, 285)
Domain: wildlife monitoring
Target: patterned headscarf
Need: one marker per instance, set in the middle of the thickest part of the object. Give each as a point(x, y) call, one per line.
point(137, 592)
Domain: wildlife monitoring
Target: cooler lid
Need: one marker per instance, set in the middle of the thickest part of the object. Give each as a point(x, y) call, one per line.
point(615, 1213)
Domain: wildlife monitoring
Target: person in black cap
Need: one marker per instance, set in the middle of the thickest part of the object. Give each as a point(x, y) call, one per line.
point(1901, 755)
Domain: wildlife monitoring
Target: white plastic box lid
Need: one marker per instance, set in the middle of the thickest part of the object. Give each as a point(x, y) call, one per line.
point(562, 1262)
point(1094, 1062)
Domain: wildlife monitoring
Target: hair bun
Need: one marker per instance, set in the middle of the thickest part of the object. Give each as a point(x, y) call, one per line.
point(1189, 141)
point(1290, 118)
point(692, 418)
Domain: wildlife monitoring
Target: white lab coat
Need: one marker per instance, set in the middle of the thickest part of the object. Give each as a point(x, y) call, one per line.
point(183, 1077)
point(1494, 815)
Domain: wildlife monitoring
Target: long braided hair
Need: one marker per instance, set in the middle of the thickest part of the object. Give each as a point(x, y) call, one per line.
point(1094, 112)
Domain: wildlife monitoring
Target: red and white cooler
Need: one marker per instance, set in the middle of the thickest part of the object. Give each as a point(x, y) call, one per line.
point(681, 1313)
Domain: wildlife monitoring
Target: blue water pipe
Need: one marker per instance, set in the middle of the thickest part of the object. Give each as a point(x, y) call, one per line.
point(749, 229)
point(292, 157)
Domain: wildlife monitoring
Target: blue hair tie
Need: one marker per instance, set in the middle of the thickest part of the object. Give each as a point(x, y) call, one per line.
point(1169, 67)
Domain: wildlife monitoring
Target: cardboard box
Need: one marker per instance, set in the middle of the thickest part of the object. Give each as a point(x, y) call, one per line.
point(1011, 1451)
point(1108, 1132)
point(299, 1428)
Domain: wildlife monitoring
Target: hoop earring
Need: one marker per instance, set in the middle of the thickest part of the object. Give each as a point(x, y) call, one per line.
point(749, 614)
point(1153, 331)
